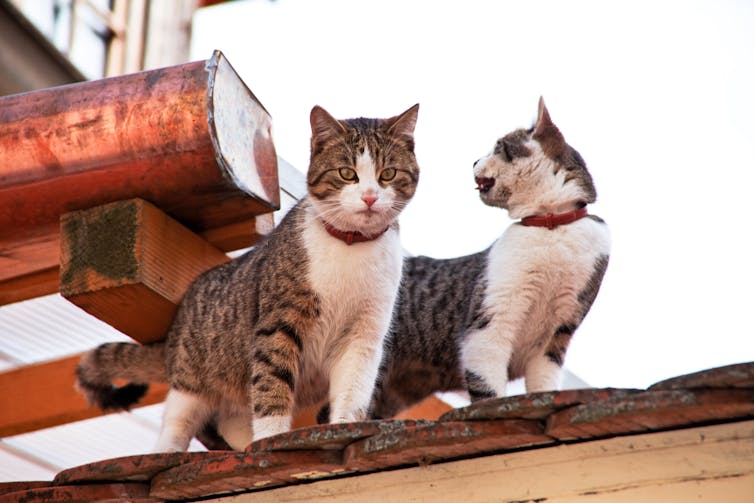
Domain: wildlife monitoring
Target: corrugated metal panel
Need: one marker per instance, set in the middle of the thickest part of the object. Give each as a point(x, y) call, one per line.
point(50, 327)
point(111, 436)
point(15, 466)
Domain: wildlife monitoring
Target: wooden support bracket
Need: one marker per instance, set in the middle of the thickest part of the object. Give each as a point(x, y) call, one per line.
point(129, 264)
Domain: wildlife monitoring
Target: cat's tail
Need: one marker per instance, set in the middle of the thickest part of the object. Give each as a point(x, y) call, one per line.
point(136, 363)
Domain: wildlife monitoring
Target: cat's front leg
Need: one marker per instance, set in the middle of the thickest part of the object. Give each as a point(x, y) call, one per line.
point(275, 367)
point(544, 371)
point(485, 355)
point(354, 373)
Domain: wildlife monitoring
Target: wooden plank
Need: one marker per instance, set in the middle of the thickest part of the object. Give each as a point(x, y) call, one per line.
point(29, 251)
point(42, 282)
point(129, 264)
point(31, 268)
point(661, 466)
point(191, 139)
point(42, 395)
point(241, 234)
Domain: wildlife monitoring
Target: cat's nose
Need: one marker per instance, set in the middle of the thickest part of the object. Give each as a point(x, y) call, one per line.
point(369, 199)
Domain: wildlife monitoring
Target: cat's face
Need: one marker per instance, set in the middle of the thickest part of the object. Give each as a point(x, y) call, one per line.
point(533, 170)
point(362, 172)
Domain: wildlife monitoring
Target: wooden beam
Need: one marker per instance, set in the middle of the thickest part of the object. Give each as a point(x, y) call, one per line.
point(241, 234)
point(36, 284)
point(129, 264)
point(42, 395)
point(191, 139)
point(31, 269)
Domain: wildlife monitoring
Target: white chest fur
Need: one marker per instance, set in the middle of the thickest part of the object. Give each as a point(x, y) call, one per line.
point(534, 279)
point(357, 285)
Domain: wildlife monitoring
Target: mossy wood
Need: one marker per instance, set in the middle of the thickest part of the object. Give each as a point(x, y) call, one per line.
point(129, 264)
point(192, 139)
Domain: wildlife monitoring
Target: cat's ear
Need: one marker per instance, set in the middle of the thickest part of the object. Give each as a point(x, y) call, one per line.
point(547, 133)
point(403, 125)
point(324, 127)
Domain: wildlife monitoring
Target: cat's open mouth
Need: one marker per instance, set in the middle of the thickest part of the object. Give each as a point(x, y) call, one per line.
point(484, 184)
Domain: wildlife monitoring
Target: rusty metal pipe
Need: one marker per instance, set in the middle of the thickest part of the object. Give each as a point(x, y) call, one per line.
point(192, 139)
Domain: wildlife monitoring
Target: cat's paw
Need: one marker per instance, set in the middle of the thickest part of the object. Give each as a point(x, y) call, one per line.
point(349, 417)
point(268, 426)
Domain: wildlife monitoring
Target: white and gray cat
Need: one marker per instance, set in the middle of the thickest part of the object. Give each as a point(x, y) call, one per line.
point(475, 322)
point(298, 320)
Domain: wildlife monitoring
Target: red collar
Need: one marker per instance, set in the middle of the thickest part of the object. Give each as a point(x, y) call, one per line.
point(551, 220)
point(350, 237)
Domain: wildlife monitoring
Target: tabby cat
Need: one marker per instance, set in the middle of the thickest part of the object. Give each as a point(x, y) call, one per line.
point(478, 321)
point(297, 320)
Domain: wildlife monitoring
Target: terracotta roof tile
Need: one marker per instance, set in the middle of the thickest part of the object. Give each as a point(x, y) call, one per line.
point(427, 443)
point(328, 436)
point(740, 375)
point(491, 426)
point(532, 405)
point(130, 468)
point(245, 470)
point(12, 487)
point(134, 492)
point(650, 410)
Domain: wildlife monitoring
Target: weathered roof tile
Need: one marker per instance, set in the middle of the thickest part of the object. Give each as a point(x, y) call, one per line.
point(740, 375)
point(327, 436)
point(650, 410)
point(130, 468)
point(245, 471)
point(532, 405)
point(332, 450)
point(135, 492)
point(12, 487)
point(427, 443)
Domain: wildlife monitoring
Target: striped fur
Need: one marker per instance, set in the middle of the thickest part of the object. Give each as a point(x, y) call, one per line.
point(299, 319)
point(473, 323)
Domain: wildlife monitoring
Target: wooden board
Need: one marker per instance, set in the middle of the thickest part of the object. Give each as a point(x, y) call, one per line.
point(42, 395)
point(129, 264)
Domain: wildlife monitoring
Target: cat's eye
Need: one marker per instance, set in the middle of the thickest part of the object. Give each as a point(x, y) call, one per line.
point(387, 174)
point(348, 174)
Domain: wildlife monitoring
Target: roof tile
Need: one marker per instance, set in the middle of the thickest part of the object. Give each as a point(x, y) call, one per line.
point(650, 410)
point(740, 375)
point(245, 471)
point(134, 492)
point(427, 443)
point(485, 427)
point(327, 436)
point(532, 405)
point(12, 487)
point(130, 468)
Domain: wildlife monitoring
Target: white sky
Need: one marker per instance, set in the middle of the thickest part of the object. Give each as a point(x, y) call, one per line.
point(656, 95)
